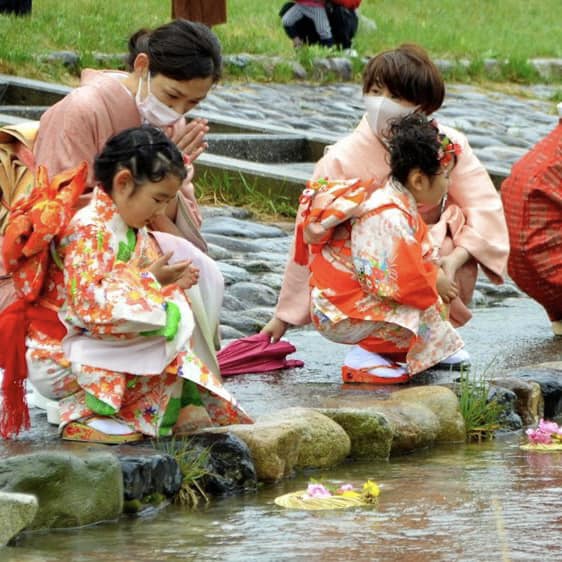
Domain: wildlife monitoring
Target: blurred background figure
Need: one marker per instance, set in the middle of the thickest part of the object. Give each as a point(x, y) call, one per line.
point(209, 12)
point(17, 7)
point(302, 28)
point(315, 12)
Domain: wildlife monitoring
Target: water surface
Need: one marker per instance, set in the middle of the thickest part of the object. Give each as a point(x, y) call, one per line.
point(469, 503)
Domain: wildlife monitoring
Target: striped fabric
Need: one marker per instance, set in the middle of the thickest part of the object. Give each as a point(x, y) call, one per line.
point(316, 13)
point(532, 199)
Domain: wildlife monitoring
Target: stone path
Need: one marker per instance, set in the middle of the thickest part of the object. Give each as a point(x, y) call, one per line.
point(500, 127)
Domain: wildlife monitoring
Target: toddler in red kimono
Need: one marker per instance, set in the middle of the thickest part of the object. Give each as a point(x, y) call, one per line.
point(375, 279)
point(125, 368)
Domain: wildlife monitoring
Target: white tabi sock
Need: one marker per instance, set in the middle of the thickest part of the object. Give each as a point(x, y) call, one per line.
point(109, 426)
point(461, 356)
point(359, 358)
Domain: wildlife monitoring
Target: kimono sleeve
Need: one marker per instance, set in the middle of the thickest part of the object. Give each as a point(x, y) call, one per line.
point(389, 262)
point(484, 232)
point(105, 296)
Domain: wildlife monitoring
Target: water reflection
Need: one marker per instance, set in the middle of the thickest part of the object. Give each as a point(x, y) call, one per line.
point(460, 503)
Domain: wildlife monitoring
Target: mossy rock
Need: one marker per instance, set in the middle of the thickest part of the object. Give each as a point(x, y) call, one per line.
point(72, 490)
point(370, 432)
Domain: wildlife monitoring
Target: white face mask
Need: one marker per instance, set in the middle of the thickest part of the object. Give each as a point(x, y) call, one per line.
point(152, 110)
point(381, 110)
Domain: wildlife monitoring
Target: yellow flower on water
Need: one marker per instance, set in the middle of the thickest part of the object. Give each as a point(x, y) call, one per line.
point(371, 489)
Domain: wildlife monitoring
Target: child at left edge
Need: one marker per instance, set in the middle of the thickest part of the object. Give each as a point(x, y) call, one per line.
point(125, 368)
point(374, 268)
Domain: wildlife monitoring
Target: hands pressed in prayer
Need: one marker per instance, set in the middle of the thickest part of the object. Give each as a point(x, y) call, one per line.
point(190, 138)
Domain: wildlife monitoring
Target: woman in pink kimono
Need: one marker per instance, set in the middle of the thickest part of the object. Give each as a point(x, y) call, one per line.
point(126, 367)
point(375, 279)
point(171, 70)
point(469, 228)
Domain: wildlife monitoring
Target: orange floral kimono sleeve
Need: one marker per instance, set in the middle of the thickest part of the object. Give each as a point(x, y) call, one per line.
point(106, 296)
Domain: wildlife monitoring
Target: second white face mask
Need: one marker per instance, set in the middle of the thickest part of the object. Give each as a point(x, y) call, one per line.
point(153, 111)
point(381, 110)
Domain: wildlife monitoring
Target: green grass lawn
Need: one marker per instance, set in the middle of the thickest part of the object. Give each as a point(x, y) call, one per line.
point(476, 29)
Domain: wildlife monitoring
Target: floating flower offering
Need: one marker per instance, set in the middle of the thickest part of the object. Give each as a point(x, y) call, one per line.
point(323, 496)
point(546, 437)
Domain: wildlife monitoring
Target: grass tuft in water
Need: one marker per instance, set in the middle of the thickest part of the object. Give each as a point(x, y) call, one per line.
point(481, 416)
point(193, 466)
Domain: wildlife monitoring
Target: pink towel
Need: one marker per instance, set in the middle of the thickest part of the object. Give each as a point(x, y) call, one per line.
point(256, 354)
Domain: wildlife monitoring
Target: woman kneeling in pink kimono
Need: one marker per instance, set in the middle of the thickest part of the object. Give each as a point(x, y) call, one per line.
point(125, 368)
point(469, 227)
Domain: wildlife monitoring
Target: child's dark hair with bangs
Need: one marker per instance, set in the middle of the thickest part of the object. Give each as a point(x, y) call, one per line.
point(409, 74)
point(146, 151)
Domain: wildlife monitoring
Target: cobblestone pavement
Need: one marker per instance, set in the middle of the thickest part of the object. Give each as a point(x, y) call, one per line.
point(500, 127)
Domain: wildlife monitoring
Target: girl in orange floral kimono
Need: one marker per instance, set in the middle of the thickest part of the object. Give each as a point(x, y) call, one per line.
point(375, 277)
point(125, 368)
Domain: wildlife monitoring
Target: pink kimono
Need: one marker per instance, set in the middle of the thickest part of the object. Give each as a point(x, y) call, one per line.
point(77, 128)
point(473, 219)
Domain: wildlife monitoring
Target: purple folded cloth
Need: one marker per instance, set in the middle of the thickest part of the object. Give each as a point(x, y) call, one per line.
point(256, 354)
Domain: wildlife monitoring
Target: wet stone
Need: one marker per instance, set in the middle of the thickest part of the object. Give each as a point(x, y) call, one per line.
point(16, 512)
point(550, 381)
point(230, 333)
point(228, 226)
point(229, 466)
point(242, 322)
point(273, 280)
point(259, 266)
point(234, 244)
point(276, 245)
point(232, 273)
point(254, 294)
point(498, 291)
point(260, 314)
point(149, 473)
point(225, 211)
point(509, 419)
point(478, 299)
point(217, 253)
point(230, 302)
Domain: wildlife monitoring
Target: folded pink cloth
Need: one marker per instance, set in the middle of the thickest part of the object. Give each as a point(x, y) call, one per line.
point(256, 354)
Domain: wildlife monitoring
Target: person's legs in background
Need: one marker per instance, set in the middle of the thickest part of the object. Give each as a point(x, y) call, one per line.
point(322, 25)
point(17, 7)
point(291, 15)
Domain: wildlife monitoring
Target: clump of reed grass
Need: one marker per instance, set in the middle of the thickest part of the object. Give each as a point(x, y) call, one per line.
point(482, 416)
point(193, 464)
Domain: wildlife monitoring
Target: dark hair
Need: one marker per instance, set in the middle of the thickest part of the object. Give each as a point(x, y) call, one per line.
point(413, 142)
point(409, 74)
point(146, 151)
point(180, 49)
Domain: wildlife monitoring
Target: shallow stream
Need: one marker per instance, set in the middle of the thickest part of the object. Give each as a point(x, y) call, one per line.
point(473, 503)
point(462, 503)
